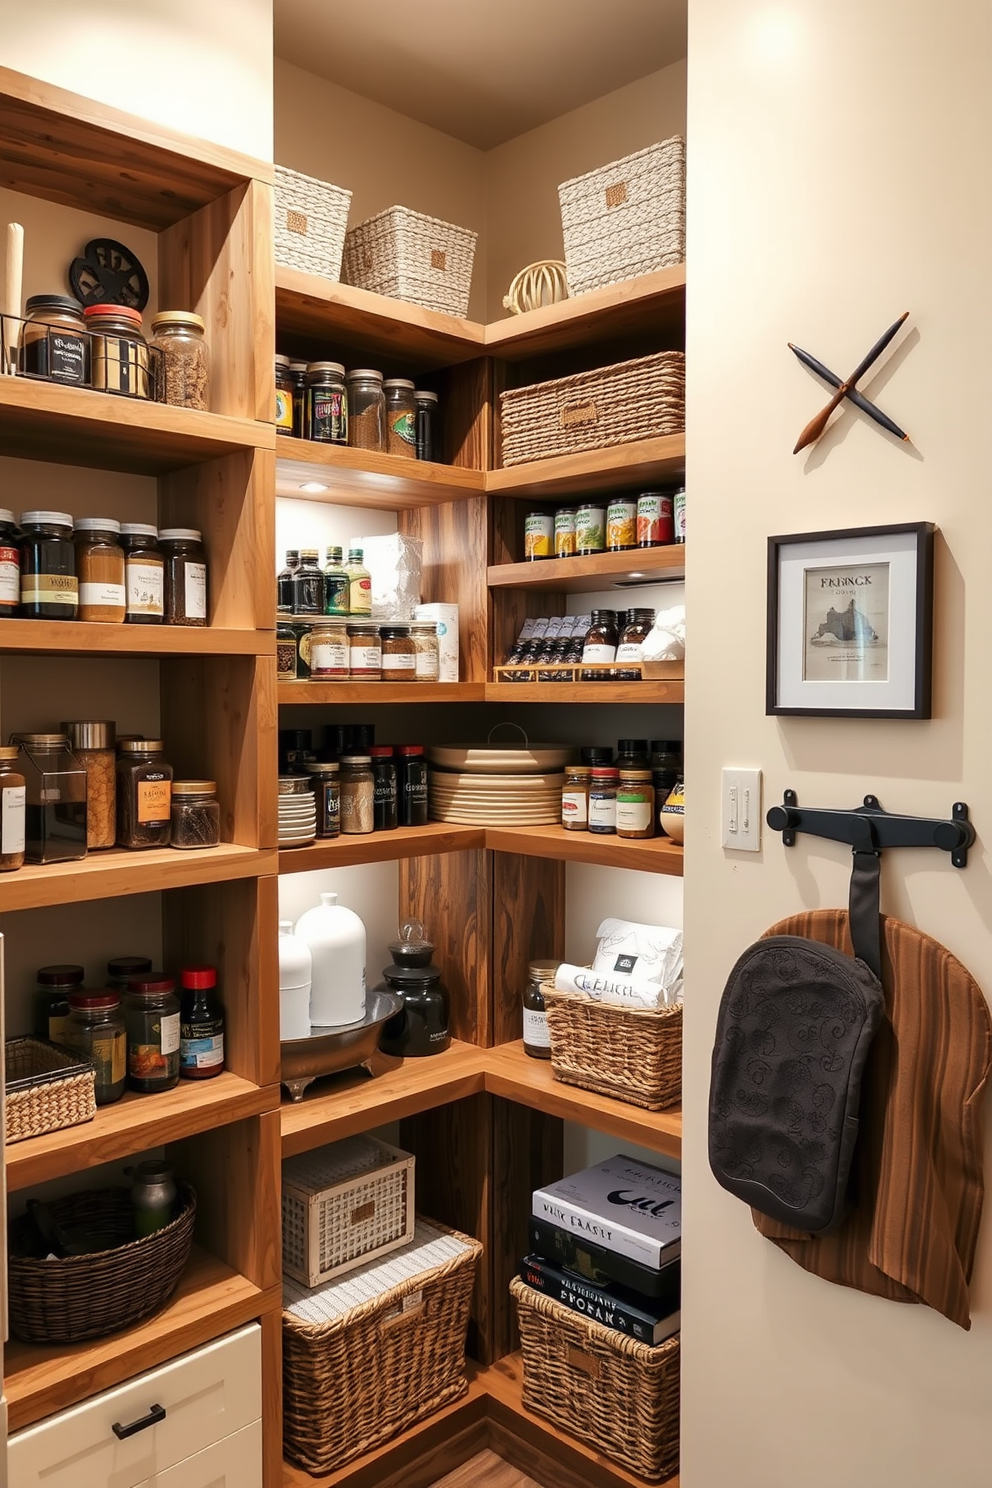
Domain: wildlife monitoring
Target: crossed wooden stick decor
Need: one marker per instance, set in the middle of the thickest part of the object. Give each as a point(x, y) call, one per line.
point(847, 389)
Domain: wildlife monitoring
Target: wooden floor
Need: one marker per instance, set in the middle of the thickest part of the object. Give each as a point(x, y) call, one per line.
point(486, 1470)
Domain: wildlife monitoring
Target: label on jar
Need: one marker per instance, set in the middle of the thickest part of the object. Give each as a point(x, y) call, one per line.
point(196, 591)
point(145, 588)
point(336, 588)
point(58, 1030)
point(49, 589)
point(621, 525)
point(654, 520)
point(199, 1050)
point(329, 658)
point(12, 799)
point(360, 596)
point(425, 665)
point(284, 409)
point(329, 820)
point(286, 659)
point(597, 653)
point(328, 415)
point(630, 650)
point(108, 1052)
point(404, 425)
point(538, 530)
point(399, 661)
point(154, 802)
point(680, 516)
point(113, 595)
point(574, 808)
point(589, 529)
point(633, 816)
point(366, 659)
point(10, 576)
point(602, 813)
point(536, 1029)
point(170, 1033)
point(66, 358)
point(145, 1061)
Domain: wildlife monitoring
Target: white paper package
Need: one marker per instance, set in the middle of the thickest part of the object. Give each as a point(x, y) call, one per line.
point(394, 562)
point(642, 953)
point(608, 987)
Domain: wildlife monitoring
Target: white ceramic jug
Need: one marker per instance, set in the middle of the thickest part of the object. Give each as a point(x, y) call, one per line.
point(295, 966)
point(336, 937)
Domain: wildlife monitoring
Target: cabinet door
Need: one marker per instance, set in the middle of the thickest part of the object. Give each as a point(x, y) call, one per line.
point(189, 1405)
point(235, 1462)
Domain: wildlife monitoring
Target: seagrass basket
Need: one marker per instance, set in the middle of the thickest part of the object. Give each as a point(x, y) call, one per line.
point(626, 218)
point(47, 1089)
point(639, 399)
point(608, 1389)
point(631, 1054)
point(67, 1300)
point(410, 257)
point(311, 218)
point(366, 1356)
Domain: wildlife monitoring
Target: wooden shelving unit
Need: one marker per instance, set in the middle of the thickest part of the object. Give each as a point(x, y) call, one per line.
point(652, 855)
point(364, 478)
point(599, 571)
point(656, 300)
point(341, 693)
point(585, 693)
point(626, 467)
point(108, 875)
point(83, 638)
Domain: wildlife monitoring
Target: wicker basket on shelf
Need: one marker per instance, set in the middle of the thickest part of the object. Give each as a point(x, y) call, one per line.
point(640, 399)
point(410, 257)
point(47, 1089)
point(631, 1054)
point(608, 1389)
point(626, 218)
point(311, 218)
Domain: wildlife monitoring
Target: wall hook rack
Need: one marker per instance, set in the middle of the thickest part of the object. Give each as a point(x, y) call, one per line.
point(868, 828)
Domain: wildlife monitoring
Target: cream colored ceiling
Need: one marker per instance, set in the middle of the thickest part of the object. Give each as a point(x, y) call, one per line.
point(481, 70)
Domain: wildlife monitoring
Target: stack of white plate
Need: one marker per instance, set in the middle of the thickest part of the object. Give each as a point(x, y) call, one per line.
point(486, 786)
point(297, 812)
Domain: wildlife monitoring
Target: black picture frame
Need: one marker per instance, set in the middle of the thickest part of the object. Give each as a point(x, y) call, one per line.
point(840, 547)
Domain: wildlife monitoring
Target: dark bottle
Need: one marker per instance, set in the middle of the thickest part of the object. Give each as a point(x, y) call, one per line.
point(144, 795)
point(308, 585)
point(295, 749)
point(284, 583)
point(666, 771)
point(49, 587)
point(337, 584)
point(421, 1026)
point(10, 564)
point(50, 1003)
point(298, 379)
point(632, 754)
point(601, 638)
point(427, 442)
point(385, 815)
point(122, 968)
point(595, 754)
point(201, 1024)
point(411, 785)
point(537, 1039)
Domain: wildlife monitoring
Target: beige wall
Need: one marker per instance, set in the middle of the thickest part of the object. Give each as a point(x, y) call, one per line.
point(838, 175)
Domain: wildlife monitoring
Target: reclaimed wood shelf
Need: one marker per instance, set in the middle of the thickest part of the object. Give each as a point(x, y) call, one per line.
point(79, 426)
point(210, 1301)
point(656, 300)
point(653, 855)
point(633, 466)
point(381, 692)
point(78, 637)
point(598, 571)
point(111, 874)
point(134, 1123)
point(634, 693)
point(650, 855)
point(356, 477)
point(380, 847)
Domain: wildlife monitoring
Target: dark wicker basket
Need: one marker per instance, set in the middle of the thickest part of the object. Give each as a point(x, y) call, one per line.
point(79, 1297)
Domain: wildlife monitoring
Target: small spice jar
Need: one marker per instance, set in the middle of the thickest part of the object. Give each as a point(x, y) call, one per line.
point(634, 634)
point(329, 651)
point(144, 794)
point(49, 586)
point(54, 343)
point(93, 746)
point(120, 970)
point(384, 800)
point(50, 1001)
point(201, 1024)
point(13, 796)
point(285, 653)
point(10, 564)
point(427, 657)
point(195, 814)
point(411, 785)
point(399, 654)
point(325, 781)
point(427, 440)
point(119, 351)
point(95, 1026)
point(55, 799)
point(357, 794)
point(366, 409)
point(603, 800)
point(144, 574)
point(635, 804)
point(537, 1039)
point(364, 651)
point(100, 570)
point(185, 576)
point(600, 644)
point(284, 396)
point(151, 1012)
point(575, 798)
point(401, 417)
point(181, 358)
point(327, 403)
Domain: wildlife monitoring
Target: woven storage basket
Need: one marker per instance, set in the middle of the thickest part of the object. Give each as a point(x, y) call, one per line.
point(620, 1395)
point(625, 219)
point(411, 257)
point(641, 399)
point(632, 1054)
point(343, 1206)
point(66, 1301)
point(366, 1356)
point(47, 1089)
point(311, 219)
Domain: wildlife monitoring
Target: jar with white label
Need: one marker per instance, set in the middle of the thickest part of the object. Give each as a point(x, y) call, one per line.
point(537, 1039)
point(601, 640)
point(13, 795)
point(635, 804)
point(152, 1015)
point(185, 576)
point(399, 654)
point(635, 633)
point(100, 570)
point(144, 574)
point(427, 659)
point(603, 800)
point(364, 651)
point(329, 659)
point(10, 564)
point(575, 798)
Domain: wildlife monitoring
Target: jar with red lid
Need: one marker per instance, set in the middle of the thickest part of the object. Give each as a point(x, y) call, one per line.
point(201, 1024)
point(603, 800)
point(152, 1015)
point(119, 352)
point(95, 1027)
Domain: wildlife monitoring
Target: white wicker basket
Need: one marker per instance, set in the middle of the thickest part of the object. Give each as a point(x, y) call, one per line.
point(344, 1205)
point(625, 219)
point(311, 220)
point(411, 257)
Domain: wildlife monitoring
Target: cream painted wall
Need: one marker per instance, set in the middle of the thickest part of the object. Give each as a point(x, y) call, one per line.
point(203, 68)
point(838, 174)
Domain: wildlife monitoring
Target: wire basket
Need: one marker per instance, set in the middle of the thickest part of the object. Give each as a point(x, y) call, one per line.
point(631, 1054)
point(47, 1089)
point(411, 257)
point(626, 218)
point(311, 217)
point(344, 1206)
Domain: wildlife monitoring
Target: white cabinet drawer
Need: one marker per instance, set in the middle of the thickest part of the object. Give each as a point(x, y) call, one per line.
point(235, 1462)
point(206, 1396)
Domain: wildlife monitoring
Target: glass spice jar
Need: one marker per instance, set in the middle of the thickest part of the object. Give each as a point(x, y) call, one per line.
point(120, 970)
point(100, 570)
point(325, 781)
point(427, 656)
point(49, 586)
point(54, 343)
point(185, 576)
point(201, 1024)
point(13, 795)
point(152, 1015)
point(364, 651)
point(384, 798)
point(327, 403)
point(427, 440)
point(537, 1039)
point(411, 785)
point(55, 799)
point(285, 653)
point(401, 418)
point(600, 644)
point(635, 804)
point(118, 350)
point(182, 363)
point(284, 396)
point(144, 574)
point(575, 798)
point(195, 814)
point(366, 409)
point(144, 795)
point(631, 644)
point(50, 1001)
point(603, 800)
point(357, 795)
point(399, 654)
point(10, 564)
point(329, 652)
point(95, 1027)
point(93, 745)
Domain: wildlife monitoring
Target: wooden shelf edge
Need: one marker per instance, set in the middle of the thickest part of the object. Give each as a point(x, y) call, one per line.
point(381, 847)
point(585, 317)
point(621, 465)
point(117, 873)
point(367, 478)
point(310, 693)
point(652, 855)
point(63, 637)
point(588, 693)
point(600, 570)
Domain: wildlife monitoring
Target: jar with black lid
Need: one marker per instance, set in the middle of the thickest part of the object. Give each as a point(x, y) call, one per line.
point(144, 794)
point(151, 1011)
point(327, 403)
point(298, 377)
point(325, 782)
point(596, 754)
point(385, 815)
point(285, 653)
point(632, 754)
point(185, 576)
point(144, 574)
point(284, 582)
point(95, 1027)
point(427, 440)
point(54, 343)
point(284, 396)
point(10, 564)
point(601, 640)
point(401, 418)
point(399, 654)
point(49, 587)
point(307, 585)
point(120, 970)
point(50, 1000)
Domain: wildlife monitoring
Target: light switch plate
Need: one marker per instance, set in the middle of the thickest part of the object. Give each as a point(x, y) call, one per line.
point(740, 804)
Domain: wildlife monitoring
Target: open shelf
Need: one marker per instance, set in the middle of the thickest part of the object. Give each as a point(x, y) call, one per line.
point(211, 1300)
point(650, 855)
point(344, 1104)
point(653, 855)
point(111, 874)
point(598, 571)
point(634, 693)
point(79, 426)
point(381, 692)
point(622, 467)
point(136, 1122)
point(356, 477)
point(514, 1075)
point(380, 847)
point(63, 637)
point(656, 299)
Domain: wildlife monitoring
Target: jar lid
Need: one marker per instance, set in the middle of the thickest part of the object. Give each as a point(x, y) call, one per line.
point(281, 361)
point(180, 534)
point(120, 966)
point(362, 627)
point(423, 396)
point(603, 615)
point(356, 759)
point(301, 366)
point(596, 754)
point(394, 632)
point(87, 735)
point(545, 970)
point(198, 976)
point(6, 516)
point(590, 506)
point(409, 749)
point(577, 769)
point(636, 617)
point(369, 374)
point(141, 746)
point(152, 981)
point(605, 772)
point(324, 767)
point(9, 751)
point(120, 312)
point(398, 382)
point(634, 774)
point(53, 302)
point(309, 553)
point(179, 318)
point(60, 976)
point(138, 529)
point(313, 368)
point(666, 746)
point(194, 787)
point(46, 519)
point(94, 1000)
point(40, 741)
point(96, 524)
point(381, 751)
point(423, 627)
point(632, 746)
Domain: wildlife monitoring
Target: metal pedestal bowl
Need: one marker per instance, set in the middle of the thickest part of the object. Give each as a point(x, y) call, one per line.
point(328, 1051)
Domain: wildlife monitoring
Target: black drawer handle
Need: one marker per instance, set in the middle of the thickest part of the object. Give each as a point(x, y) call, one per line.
point(156, 1414)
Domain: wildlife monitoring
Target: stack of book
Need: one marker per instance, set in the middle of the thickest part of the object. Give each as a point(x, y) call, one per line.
point(607, 1243)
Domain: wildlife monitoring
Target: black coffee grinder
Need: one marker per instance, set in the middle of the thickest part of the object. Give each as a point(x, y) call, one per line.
point(422, 1025)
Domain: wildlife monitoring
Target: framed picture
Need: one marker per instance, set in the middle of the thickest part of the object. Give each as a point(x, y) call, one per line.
point(850, 622)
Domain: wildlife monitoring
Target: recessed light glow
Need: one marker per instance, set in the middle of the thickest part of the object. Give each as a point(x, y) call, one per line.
point(313, 488)
point(636, 576)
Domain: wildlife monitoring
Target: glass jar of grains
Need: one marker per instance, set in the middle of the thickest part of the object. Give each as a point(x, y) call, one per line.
point(185, 576)
point(119, 351)
point(49, 586)
point(144, 574)
point(54, 343)
point(100, 570)
point(144, 794)
point(195, 814)
point(95, 1027)
point(93, 746)
point(182, 360)
point(366, 410)
point(357, 794)
point(329, 659)
point(401, 418)
point(399, 654)
point(364, 651)
point(426, 653)
point(12, 809)
point(151, 1012)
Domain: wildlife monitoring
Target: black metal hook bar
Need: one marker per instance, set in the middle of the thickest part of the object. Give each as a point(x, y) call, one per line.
point(868, 828)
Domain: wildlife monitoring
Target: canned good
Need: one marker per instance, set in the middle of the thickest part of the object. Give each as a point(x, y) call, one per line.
point(565, 533)
point(590, 529)
point(655, 519)
point(538, 535)
point(621, 524)
point(680, 515)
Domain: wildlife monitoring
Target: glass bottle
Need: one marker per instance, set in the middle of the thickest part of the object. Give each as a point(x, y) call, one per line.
point(635, 804)
point(357, 795)
point(194, 814)
point(325, 778)
point(327, 403)
point(181, 359)
point(401, 418)
point(201, 1024)
point(144, 574)
point(337, 585)
point(537, 1039)
point(601, 638)
point(185, 576)
point(93, 745)
point(359, 585)
point(298, 378)
point(95, 1026)
point(118, 350)
point(13, 806)
point(308, 585)
point(603, 801)
point(50, 1001)
point(634, 634)
point(284, 582)
point(366, 409)
point(49, 586)
point(384, 804)
point(428, 444)
point(144, 794)
point(411, 785)
point(55, 800)
point(575, 798)
point(10, 564)
point(152, 1015)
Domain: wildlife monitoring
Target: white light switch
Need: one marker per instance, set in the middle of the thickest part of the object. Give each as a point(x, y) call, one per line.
point(740, 803)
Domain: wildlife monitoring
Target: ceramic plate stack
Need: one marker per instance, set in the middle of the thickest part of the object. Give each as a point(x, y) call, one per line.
point(297, 812)
point(481, 786)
